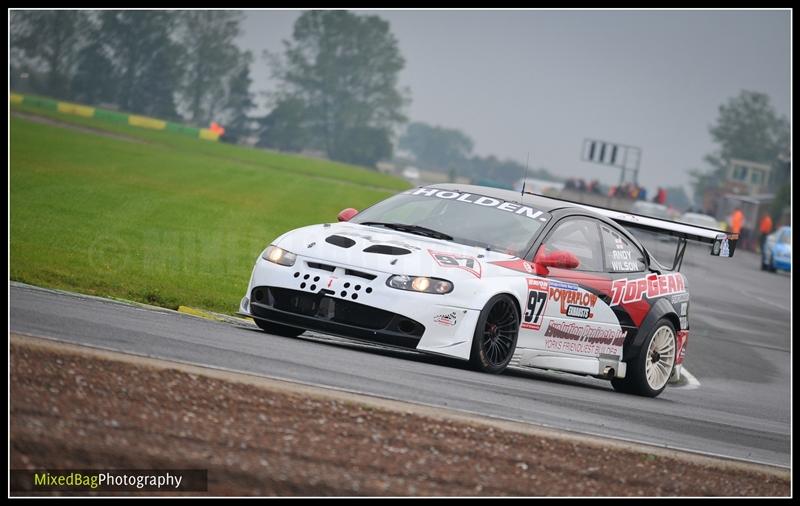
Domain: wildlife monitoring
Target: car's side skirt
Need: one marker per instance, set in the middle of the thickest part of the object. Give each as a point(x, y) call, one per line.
point(604, 366)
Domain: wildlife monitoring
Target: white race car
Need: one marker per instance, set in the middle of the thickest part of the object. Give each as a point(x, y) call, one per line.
point(492, 276)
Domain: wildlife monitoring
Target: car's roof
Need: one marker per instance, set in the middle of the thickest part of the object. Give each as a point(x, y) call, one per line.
point(539, 202)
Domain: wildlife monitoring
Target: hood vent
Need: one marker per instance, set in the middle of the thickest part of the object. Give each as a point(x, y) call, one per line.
point(338, 240)
point(384, 249)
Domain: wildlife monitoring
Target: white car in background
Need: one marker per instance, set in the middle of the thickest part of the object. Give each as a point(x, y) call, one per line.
point(700, 220)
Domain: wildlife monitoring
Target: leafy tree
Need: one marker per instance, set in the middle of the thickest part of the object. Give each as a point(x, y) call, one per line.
point(94, 77)
point(436, 147)
point(747, 128)
point(49, 41)
point(239, 100)
point(344, 68)
point(284, 127)
point(363, 145)
point(211, 60)
point(783, 199)
point(148, 62)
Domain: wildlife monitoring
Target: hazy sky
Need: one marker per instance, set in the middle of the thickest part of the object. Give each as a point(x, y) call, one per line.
point(542, 81)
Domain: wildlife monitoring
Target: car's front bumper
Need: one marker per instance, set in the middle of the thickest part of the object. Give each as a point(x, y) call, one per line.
point(355, 302)
point(334, 315)
point(782, 264)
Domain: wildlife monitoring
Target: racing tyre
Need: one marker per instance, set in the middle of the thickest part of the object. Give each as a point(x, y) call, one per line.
point(278, 329)
point(495, 337)
point(771, 264)
point(650, 371)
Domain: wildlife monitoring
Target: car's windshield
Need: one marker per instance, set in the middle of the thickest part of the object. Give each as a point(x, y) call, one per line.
point(467, 218)
point(786, 237)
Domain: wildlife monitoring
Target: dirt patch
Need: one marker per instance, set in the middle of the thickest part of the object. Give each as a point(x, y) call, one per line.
point(63, 124)
point(78, 408)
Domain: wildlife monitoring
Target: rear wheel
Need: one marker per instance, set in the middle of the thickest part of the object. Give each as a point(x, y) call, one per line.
point(650, 371)
point(278, 329)
point(495, 337)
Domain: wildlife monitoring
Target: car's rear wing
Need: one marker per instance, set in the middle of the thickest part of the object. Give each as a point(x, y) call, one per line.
point(722, 243)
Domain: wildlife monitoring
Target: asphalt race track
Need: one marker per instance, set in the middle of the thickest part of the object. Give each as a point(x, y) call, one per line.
point(738, 350)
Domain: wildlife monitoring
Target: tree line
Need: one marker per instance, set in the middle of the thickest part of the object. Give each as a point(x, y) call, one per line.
point(181, 66)
point(449, 151)
point(338, 86)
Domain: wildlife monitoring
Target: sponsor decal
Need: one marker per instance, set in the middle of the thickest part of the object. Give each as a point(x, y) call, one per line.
point(455, 260)
point(682, 338)
point(516, 265)
point(537, 300)
point(561, 285)
point(569, 298)
point(624, 291)
point(684, 322)
point(448, 319)
point(622, 261)
point(579, 312)
point(724, 250)
point(683, 297)
point(585, 339)
point(684, 308)
point(478, 200)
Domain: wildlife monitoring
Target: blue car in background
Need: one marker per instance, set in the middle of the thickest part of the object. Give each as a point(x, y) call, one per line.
point(777, 252)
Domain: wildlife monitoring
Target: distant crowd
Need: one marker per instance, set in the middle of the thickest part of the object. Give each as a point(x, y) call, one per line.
point(580, 185)
point(626, 190)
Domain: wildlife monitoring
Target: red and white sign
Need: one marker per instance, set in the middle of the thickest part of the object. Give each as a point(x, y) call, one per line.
point(624, 291)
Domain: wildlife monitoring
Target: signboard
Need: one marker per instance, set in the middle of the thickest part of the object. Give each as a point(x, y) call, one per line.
point(608, 153)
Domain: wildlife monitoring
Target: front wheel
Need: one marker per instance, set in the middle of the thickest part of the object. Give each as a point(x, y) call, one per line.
point(278, 329)
point(771, 265)
point(650, 371)
point(495, 337)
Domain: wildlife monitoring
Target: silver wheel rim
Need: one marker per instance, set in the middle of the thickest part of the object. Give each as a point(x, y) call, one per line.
point(660, 358)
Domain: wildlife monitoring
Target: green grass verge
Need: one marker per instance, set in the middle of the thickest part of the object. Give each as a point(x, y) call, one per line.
point(171, 221)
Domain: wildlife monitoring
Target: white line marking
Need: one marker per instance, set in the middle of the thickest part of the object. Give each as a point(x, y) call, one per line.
point(693, 383)
point(771, 303)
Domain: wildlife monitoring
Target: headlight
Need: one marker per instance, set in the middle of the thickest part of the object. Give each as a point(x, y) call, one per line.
point(420, 284)
point(279, 256)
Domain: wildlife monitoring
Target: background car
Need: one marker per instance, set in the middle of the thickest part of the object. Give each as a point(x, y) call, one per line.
point(650, 209)
point(701, 220)
point(777, 252)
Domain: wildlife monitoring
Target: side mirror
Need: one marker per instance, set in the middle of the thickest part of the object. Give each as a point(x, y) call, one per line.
point(557, 259)
point(347, 214)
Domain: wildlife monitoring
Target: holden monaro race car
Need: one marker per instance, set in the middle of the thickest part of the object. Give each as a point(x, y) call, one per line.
point(495, 277)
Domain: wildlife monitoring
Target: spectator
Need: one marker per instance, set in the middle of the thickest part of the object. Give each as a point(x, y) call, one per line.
point(736, 221)
point(765, 227)
point(661, 196)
